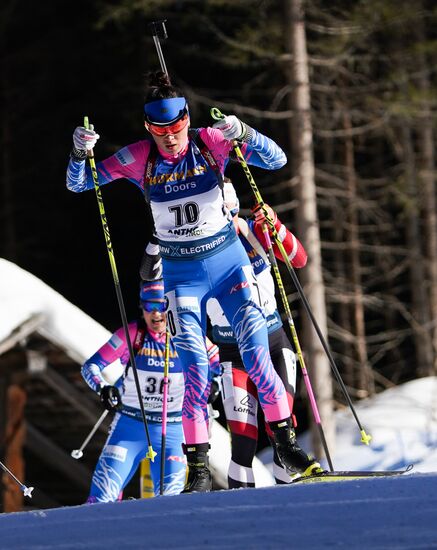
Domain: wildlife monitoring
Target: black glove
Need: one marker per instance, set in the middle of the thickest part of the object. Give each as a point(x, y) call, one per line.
point(214, 391)
point(110, 398)
point(151, 267)
point(151, 264)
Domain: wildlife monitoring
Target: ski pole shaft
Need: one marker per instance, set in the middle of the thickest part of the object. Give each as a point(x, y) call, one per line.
point(365, 438)
point(78, 453)
point(151, 453)
point(27, 491)
point(164, 411)
point(296, 342)
point(159, 31)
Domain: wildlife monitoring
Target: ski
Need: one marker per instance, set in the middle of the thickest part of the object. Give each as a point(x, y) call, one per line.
point(349, 475)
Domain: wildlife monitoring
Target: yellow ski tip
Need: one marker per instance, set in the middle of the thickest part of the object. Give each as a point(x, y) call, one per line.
point(365, 438)
point(313, 469)
point(151, 454)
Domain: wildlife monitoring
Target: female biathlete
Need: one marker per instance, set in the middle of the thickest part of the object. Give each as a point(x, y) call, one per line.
point(181, 173)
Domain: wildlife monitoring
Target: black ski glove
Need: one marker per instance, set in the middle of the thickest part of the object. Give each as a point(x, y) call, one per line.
point(110, 398)
point(214, 391)
point(151, 263)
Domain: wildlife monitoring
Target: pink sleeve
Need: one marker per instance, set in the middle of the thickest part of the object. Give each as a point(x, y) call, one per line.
point(217, 144)
point(116, 347)
point(129, 162)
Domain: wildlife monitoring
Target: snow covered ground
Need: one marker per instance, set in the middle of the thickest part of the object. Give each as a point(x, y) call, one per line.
point(403, 425)
point(379, 513)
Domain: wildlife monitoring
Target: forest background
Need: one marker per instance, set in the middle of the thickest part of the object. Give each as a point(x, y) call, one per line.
point(346, 88)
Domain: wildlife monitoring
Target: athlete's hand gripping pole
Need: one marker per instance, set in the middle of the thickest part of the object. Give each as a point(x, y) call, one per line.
point(151, 453)
point(365, 438)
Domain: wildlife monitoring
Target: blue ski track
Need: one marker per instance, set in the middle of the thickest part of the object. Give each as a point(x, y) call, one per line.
point(372, 513)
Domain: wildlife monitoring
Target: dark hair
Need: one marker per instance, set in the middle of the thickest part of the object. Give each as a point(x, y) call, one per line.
point(159, 87)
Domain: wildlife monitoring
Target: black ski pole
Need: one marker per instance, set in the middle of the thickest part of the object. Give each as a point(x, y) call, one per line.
point(365, 438)
point(159, 31)
point(217, 115)
point(27, 491)
point(151, 453)
point(78, 453)
point(296, 342)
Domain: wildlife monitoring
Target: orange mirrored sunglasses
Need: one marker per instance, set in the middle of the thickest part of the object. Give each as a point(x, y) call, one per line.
point(170, 129)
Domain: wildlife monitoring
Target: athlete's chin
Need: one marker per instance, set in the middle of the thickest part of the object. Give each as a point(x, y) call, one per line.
point(158, 326)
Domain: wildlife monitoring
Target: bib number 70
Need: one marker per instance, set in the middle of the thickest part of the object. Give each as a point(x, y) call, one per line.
point(187, 213)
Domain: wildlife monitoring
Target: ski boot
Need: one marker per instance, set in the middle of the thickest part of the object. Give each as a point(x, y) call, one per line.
point(292, 457)
point(199, 478)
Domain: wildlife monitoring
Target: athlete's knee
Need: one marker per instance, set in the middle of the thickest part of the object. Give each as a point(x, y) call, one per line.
point(249, 326)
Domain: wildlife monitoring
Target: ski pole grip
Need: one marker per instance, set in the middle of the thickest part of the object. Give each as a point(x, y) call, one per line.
point(86, 124)
point(216, 114)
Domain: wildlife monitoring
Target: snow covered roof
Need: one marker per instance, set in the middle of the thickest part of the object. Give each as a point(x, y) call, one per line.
point(24, 297)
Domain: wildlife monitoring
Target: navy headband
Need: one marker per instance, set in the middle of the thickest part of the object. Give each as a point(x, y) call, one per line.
point(152, 290)
point(163, 112)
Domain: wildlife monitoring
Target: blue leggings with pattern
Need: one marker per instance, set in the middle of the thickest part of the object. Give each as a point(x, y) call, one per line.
point(226, 275)
point(124, 449)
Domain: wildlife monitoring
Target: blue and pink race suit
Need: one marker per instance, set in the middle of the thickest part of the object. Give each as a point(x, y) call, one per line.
point(202, 258)
point(127, 444)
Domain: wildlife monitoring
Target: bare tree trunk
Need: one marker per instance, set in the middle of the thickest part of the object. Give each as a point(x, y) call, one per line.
point(342, 309)
point(427, 176)
point(420, 307)
point(301, 135)
point(365, 382)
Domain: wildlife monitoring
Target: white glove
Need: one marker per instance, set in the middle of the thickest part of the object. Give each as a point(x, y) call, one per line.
point(85, 139)
point(231, 127)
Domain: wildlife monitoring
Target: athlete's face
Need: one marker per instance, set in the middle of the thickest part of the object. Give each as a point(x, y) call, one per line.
point(155, 319)
point(173, 142)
